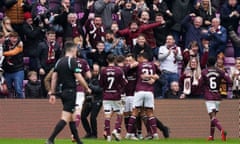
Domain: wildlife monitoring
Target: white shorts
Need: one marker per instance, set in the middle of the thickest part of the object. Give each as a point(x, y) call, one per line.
point(128, 104)
point(143, 99)
point(80, 97)
point(110, 106)
point(212, 105)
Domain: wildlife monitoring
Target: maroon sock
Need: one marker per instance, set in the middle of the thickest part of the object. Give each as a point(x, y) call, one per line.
point(126, 119)
point(212, 129)
point(152, 124)
point(131, 123)
point(77, 121)
point(107, 126)
point(217, 124)
point(118, 123)
point(147, 125)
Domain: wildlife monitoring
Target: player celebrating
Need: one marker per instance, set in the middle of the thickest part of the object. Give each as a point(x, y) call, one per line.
point(112, 80)
point(210, 81)
point(80, 95)
point(146, 76)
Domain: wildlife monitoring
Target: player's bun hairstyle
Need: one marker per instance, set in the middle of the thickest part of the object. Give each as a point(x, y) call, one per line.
point(211, 61)
point(111, 58)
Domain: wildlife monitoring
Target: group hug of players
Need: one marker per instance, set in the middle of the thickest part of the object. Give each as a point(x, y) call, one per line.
point(127, 88)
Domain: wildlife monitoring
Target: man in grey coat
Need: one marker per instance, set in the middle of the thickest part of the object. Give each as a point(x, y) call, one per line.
point(105, 9)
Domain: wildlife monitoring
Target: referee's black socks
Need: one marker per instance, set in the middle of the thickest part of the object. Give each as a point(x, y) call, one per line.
point(60, 125)
point(74, 131)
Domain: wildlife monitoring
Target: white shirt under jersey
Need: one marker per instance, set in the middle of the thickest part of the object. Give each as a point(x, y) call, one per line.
point(168, 62)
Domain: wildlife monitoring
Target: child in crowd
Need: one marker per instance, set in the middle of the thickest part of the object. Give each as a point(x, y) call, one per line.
point(33, 86)
point(174, 91)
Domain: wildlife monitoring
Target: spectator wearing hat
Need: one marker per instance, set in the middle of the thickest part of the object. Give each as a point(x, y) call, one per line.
point(13, 64)
point(32, 36)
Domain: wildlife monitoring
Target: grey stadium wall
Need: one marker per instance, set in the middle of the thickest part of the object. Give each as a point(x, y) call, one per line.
point(36, 118)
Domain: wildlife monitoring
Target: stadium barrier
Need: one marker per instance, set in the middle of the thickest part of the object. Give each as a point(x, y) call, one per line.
point(36, 118)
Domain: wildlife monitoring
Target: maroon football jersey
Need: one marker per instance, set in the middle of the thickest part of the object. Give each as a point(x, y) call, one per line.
point(84, 67)
point(112, 80)
point(210, 81)
point(131, 76)
point(145, 68)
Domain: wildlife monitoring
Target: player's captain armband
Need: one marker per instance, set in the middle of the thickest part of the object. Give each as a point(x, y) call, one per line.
point(77, 70)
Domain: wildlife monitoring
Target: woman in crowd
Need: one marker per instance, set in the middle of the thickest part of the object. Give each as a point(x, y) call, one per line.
point(189, 79)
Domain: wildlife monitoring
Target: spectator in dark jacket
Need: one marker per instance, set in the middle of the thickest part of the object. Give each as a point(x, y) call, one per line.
point(230, 16)
point(33, 86)
point(206, 11)
point(13, 64)
point(32, 36)
point(218, 36)
point(48, 53)
point(92, 105)
point(105, 9)
point(161, 32)
point(72, 26)
point(142, 47)
point(99, 56)
point(179, 9)
point(126, 15)
point(193, 28)
point(95, 30)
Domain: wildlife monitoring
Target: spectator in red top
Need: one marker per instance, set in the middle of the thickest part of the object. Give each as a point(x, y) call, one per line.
point(133, 31)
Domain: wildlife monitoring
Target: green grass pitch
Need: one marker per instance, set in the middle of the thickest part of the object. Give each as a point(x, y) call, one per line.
point(101, 141)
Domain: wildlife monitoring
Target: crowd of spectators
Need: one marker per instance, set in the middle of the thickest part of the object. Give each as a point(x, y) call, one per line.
point(178, 34)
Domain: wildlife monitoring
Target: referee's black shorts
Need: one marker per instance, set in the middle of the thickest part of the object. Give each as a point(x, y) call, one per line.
point(68, 98)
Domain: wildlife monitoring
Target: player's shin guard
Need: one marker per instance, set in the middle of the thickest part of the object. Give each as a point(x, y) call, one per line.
point(118, 123)
point(58, 128)
point(131, 123)
point(74, 131)
point(217, 124)
point(152, 123)
point(107, 126)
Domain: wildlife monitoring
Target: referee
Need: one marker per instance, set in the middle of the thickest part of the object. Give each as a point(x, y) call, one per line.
point(66, 72)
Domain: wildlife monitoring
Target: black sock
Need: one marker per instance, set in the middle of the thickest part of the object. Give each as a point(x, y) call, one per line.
point(60, 125)
point(74, 131)
point(159, 124)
